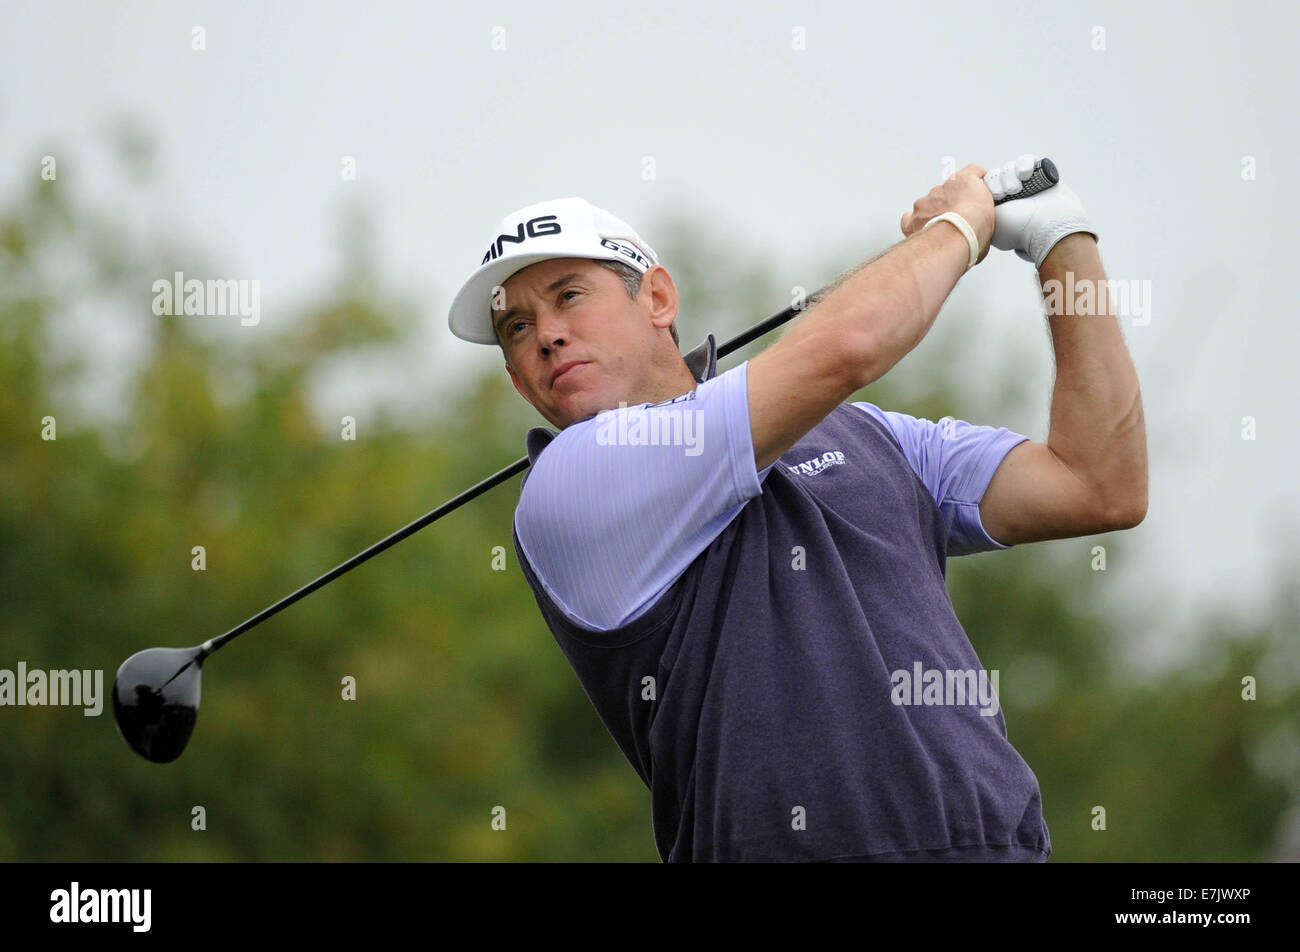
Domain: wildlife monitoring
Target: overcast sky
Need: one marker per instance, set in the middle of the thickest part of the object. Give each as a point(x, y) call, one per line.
point(458, 114)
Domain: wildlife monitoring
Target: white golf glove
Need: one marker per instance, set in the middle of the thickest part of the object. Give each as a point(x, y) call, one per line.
point(1032, 226)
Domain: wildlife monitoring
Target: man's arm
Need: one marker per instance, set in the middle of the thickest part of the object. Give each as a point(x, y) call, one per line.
point(867, 323)
point(609, 524)
point(955, 460)
point(1091, 474)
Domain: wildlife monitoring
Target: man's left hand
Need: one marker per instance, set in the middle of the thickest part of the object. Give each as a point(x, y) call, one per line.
point(1032, 226)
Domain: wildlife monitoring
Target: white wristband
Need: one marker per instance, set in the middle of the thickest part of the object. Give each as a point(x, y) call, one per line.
point(965, 229)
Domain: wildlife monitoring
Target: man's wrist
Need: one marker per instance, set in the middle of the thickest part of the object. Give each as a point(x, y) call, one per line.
point(965, 229)
point(1070, 253)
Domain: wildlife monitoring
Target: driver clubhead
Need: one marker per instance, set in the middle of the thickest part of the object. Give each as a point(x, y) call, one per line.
point(156, 701)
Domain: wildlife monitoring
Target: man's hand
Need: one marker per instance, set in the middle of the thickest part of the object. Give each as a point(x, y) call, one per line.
point(964, 193)
point(1031, 226)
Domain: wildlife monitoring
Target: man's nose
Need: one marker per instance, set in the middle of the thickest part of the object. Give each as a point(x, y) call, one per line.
point(551, 328)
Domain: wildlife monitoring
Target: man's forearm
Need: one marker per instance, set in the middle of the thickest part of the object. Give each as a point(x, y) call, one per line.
point(1097, 425)
point(891, 302)
point(864, 324)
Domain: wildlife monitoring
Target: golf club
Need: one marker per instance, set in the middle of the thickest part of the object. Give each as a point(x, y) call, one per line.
point(156, 691)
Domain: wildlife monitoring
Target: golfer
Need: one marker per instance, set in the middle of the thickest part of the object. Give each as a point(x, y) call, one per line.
point(747, 572)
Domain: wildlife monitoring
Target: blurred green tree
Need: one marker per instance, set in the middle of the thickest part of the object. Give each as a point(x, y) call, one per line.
point(464, 703)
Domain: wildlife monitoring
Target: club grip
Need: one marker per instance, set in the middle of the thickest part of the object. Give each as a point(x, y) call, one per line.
point(1044, 177)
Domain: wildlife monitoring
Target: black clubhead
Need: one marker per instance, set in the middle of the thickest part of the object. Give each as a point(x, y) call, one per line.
point(156, 701)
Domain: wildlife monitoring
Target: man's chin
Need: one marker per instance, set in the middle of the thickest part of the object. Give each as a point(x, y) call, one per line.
point(585, 409)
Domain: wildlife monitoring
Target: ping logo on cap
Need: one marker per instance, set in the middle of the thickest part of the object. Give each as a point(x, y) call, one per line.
point(533, 228)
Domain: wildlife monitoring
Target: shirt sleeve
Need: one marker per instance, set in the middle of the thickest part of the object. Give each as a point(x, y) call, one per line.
point(956, 461)
point(618, 506)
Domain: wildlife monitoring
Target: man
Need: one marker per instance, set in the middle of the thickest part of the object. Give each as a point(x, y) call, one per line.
point(747, 573)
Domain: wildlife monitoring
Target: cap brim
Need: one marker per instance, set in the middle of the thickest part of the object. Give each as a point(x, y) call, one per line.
point(470, 315)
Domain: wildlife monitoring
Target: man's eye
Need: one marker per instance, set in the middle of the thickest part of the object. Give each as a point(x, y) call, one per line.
point(510, 327)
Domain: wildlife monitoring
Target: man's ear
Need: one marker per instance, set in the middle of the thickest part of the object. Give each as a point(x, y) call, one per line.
point(514, 379)
point(663, 296)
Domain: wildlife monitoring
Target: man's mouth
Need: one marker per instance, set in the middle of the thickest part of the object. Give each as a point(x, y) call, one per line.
point(565, 368)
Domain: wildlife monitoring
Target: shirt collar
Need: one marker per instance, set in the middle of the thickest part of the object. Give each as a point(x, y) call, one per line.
point(702, 363)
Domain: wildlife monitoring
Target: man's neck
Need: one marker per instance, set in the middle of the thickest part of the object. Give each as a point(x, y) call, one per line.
point(668, 390)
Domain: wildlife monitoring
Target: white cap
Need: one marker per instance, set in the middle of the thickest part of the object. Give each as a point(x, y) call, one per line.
point(560, 228)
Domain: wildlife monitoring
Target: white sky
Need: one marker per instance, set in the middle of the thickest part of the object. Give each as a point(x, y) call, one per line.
point(804, 156)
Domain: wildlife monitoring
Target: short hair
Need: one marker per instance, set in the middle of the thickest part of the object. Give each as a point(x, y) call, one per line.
point(631, 281)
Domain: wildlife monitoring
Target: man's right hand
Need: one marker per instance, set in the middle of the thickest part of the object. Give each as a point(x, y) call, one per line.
point(964, 193)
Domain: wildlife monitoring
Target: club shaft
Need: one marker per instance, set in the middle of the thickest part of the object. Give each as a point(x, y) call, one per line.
point(518, 466)
point(474, 491)
point(759, 329)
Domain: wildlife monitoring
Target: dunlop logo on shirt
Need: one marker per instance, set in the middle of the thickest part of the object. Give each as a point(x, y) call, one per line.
point(818, 464)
